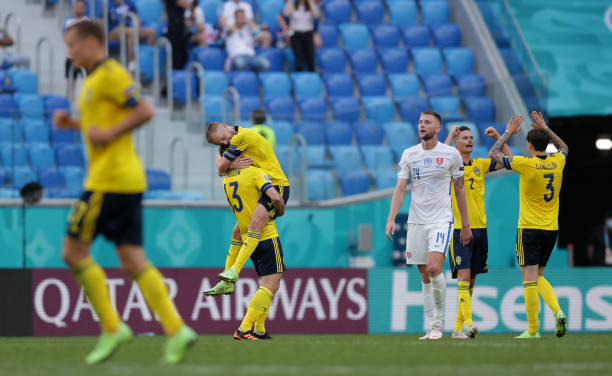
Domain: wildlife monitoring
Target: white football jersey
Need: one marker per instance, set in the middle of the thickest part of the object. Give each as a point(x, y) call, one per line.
point(431, 172)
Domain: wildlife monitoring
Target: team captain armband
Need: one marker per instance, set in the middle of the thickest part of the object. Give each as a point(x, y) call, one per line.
point(132, 95)
point(232, 153)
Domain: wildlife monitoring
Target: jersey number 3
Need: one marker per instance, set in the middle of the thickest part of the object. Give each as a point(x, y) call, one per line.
point(234, 185)
point(550, 187)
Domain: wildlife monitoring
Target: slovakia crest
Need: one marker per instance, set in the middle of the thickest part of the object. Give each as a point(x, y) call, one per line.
point(427, 161)
point(408, 254)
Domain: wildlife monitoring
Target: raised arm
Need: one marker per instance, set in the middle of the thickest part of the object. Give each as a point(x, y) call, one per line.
point(492, 132)
point(539, 123)
point(466, 230)
point(277, 201)
point(396, 203)
point(454, 131)
point(314, 9)
point(513, 127)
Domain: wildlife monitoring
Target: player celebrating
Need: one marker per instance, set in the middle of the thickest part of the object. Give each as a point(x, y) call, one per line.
point(468, 261)
point(111, 108)
point(431, 165)
point(243, 189)
point(539, 187)
point(252, 147)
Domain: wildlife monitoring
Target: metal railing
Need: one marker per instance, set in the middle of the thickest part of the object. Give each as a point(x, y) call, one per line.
point(165, 43)
point(298, 144)
point(176, 141)
point(39, 45)
point(235, 100)
point(7, 20)
point(105, 22)
point(135, 43)
point(194, 65)
point(71, 87)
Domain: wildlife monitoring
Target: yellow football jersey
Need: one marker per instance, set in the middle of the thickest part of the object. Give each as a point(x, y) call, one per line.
point(474, 178)
point(539, 187)
point(107, 95)
point(243, 188)
point(251, 144)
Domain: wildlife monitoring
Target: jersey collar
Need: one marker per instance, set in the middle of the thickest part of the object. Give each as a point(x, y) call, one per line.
point(542, 157)
point(97, 64)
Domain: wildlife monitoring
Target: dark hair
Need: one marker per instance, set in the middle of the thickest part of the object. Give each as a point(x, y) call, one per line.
point(464, 128)
point(238, 11)
point(210, 129)
point(88, 28)
point(306, 4)
point(258, 117)
point(539, 139)
point(435, 114)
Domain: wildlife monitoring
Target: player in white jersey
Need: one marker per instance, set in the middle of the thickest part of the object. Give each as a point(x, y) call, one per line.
point(431, 165)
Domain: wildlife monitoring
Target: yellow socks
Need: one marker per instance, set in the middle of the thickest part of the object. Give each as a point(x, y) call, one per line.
point(156, 294)
point(249, 245)
point(465, 302)
point(260, 323)
point(547, 293)
point(232, 253)
point(532, 305)
point(93, 280)
point(260, 303)
point(458, 320)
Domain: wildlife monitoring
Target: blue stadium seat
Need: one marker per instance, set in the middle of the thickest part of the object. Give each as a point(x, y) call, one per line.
point(475, 130)
point(281, 108)
point(211, 10)
point(178, 87)
point(70, 155)
point(211, 58)
point(331, 59)
point(10, 131)
point(488, 141)
point(471, 85)
point(283, 132)
point(275, 84)
point(379, 108)
point(393, 60)
point(315, 156)
point(268, 9)
point(215, 82)
point(51, 178)
point(459, 60)
point(446, 35)
point(447, 107)
point(35, 131)
point(13, 155)
point(312, 132)
point(214, 106)
point(158, 179)
point(245, 82)
point(411, 108)
point(371, 84)
point(320, 185)
point(6, 193)
point(354, 35)
point(146, 56)
point(345, 108)
point(314, 109)
point(8, 106)
point(370, 12)
point(480, 109)
point(524, 86)
point(404, 85)
point(346, 158)
point(282, 154)
point(337, 11)
point(437, 84)
point(328, 34)
point(290, 59)
point(368, 133)
point(416, 36)
point(512, 61)
point(275, 56)
point(338, 84)
point(21, 176)
point(363, 60)
point(385, 179)
point(40, 155)
point(402, 12)
point(24, 81)
point(73, 176)
point(385, 35)
point(30, 106)
point(53, 103)
point(435, 12)
point(499, 36)
point(338, 133)
point(307, 85)
point(353, 182)
point(149, 12)
point(427, 60)
point(377, 157)
point(400, 136)
point(248, 104)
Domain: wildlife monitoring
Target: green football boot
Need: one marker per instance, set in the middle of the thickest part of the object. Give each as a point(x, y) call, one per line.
point(561, 324)
point(526, 334)
point(229, 275)
point(108, 344)
point(220, 289)
point(178, 344)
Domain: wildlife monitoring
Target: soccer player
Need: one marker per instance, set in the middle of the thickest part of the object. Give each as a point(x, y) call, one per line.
point(243, 190)
point(468, 261)
point(539, 187)
point(431, 165)
point(111, 108)
point(244, 145)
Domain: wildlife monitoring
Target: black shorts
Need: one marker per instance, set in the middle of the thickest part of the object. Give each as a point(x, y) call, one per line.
point(283, 191)
point(117, 216)
point(268, 257)
point(474, 256)
point(534, 246)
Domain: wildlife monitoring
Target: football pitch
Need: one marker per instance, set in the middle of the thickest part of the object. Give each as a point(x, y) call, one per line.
point(575, 354)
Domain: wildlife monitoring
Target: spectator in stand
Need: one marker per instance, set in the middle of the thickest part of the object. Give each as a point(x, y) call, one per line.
point(302, 15)
point(228, 19)
point(240, 44)
point(10, 59)
point(177, 32)
point(258, 118)
point(599, 246)
point(79, 8)
point(196, 25)
point(116, 10)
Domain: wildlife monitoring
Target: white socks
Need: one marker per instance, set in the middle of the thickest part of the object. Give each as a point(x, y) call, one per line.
point(438, 284)
point(428, 306)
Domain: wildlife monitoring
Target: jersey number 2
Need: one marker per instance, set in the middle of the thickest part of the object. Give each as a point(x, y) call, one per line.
point(234, 185)
point(550, 187)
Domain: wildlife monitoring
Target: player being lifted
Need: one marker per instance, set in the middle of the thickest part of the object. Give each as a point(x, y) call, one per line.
point(539, 187)
point(468, 261)
point(242, 147)
point(431, 165)
point(111, 108)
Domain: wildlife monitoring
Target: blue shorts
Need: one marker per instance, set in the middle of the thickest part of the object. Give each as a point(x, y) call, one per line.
point(283, 191)
point(474, 256)
point(534, 246)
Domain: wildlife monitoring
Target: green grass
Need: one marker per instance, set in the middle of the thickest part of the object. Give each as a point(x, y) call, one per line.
point(380, 355)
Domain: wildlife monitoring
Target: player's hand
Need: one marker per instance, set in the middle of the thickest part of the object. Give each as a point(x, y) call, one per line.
point(466, 235)
point(241, 162)
point(514, 125)
point(62, 119)
point(99, 137)
point(390, 229)
point(454, 131)
point(491, 132)
point(538, 120)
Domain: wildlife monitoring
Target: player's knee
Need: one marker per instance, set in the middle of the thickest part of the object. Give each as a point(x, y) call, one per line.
point(433, 270)
point(73, 252)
